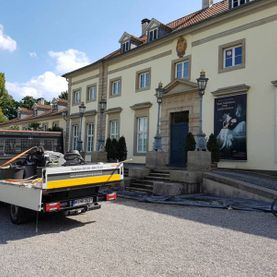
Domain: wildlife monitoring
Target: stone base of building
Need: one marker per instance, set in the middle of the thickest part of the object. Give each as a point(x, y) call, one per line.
point(156, 159)
point(199, 161)
point(97, 157)
point(173, 189)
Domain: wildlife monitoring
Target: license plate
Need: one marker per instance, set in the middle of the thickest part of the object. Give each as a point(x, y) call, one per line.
point(83, 201)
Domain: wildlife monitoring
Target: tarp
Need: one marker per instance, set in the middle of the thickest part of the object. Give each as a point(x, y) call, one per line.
point(199, 200)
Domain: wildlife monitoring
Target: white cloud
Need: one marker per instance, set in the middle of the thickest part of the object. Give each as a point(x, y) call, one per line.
point(69, 60)
point(33, 54)
point(47, 85)
point(6, 42)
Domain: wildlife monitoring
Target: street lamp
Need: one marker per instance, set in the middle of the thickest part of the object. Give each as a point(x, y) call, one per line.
point(157, 146)
point(102, 108)
point(82, 110)
point(201, 137)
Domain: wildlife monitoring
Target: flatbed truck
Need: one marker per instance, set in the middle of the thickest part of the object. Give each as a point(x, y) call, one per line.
point(56, 188)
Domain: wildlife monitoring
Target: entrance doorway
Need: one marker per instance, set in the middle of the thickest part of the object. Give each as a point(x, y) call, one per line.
point(178, 138)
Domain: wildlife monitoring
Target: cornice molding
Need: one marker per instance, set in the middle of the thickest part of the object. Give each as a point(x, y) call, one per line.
point(232, 90)
point(114, 110)
point(140, 106)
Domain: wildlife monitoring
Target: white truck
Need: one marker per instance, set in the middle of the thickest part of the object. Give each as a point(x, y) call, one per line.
point(43, 181)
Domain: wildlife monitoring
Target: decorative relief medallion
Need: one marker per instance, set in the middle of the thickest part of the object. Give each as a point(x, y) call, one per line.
point(181, 47)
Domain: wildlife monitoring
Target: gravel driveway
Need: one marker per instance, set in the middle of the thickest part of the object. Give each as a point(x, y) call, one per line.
point(128, 238)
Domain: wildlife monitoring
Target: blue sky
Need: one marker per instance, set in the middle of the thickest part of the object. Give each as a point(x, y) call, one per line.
point(43, 39)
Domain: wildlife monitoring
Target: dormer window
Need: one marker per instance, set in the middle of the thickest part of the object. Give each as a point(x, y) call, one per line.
point(35, 112)
point(153, 34)
point(125, 47)
point(236, 3)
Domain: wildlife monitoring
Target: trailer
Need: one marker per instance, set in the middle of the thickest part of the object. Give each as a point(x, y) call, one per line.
point(33, 183)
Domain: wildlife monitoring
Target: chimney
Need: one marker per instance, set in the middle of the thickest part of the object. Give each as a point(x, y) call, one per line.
point(206, 3)
point(41, 101)
point(144, 24)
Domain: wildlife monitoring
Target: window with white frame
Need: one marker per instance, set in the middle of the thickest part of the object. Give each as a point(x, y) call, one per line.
point(76, 97)
point(91, 93)
point(90, 137)
point(116, 87)
point(233, 56)
point(125, 47)
point(153, 34)
point(144, 80)
point(182, 70)
point(114, 129)
point(236, 3)
point(44, 126)
point(75, 133)
point(142, 134)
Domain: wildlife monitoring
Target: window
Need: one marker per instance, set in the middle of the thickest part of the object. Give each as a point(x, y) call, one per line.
point(182, 70)
point(55, 124)
point(142, 134)
point(153, 34)
point(114, 129)
point(125, 47)
point(232, 56)
point(44, 126)
point(75, 131)
point(91, 93)
point(76, 97)
point(90, 137)
point(236, 3)
point(115, 87)
point(143, 80)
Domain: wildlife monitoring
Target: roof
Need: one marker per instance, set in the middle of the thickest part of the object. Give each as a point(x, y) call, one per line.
point(25, 110)
point(179, 24)
point(62, 102)
point(46, 114)
point(42, 107)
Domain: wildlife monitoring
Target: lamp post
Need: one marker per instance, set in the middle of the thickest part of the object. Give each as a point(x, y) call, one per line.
point(82, 110)
point(157, 146)
point(64, 115)
point(102, 108)
point(200, 137)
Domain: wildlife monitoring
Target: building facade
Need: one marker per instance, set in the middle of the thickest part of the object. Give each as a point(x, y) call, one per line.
point(40, 116)
point(233, 41)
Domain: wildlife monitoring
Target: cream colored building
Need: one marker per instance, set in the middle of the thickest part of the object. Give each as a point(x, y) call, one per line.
point(233, 41)
point(48, 116)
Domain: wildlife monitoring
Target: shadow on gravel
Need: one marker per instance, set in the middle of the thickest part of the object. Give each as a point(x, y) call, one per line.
point(254, 223)
point(48, 224)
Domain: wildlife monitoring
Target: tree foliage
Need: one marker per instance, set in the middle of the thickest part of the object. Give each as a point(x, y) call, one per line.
point(63, 95)
point(213, 147)
point(190, 145)
point(2, 117)
point(108, 148)
point(122, 149)
point(27, 102)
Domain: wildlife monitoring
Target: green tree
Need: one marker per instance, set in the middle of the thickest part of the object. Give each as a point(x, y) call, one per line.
point(2, 83)
point(114, 149)
point(27, 102)
point(213, 147)
point(190, 145)
point(35, 126)
point(108, 148)
point(122, 149)
point(63, 95)
point(2, 117)
point(7, 103)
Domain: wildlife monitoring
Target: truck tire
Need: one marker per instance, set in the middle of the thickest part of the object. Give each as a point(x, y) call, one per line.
point(18, 215)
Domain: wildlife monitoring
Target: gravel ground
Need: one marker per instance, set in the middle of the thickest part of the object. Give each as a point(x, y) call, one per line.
point(128, 238)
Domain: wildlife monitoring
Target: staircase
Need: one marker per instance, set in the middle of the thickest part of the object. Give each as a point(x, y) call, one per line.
point(145, 185)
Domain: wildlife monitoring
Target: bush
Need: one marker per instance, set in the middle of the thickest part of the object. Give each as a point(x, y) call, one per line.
point(114, 152)
point(108, 146)
point(121, 149)
point(190, 146)
point(213, 147)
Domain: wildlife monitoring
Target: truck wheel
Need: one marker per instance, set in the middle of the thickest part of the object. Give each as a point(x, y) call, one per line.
point(17, 214)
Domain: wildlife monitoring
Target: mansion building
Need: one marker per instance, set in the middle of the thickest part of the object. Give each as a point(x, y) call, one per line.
point(233, 41)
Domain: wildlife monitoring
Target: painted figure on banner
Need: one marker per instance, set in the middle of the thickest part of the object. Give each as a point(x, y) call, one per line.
point(231, 135)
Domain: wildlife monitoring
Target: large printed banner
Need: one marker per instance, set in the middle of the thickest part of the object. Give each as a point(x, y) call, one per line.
point(230, 126)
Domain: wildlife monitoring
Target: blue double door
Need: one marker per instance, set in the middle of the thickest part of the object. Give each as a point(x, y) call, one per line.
point(178, 138)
